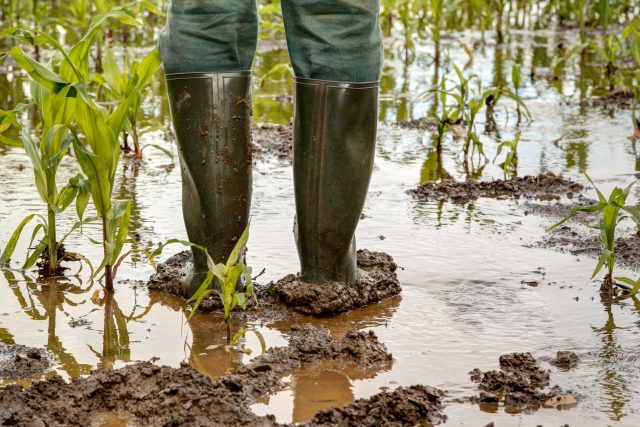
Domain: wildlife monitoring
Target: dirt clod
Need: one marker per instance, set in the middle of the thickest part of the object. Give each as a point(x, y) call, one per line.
point(619, 99)
point(565, 359)
point(273, 142)
point(380, 282)
point(544, 186)
point(404, 406)
point(519, 384)
point(19, 361)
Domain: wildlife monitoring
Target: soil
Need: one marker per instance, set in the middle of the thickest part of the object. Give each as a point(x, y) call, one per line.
point(565, 360)
point(379, 283)
point(547, 186)
point(520, 384)
point(147, 394)
point(420, 124)
point(20, 362)
point(404, 406)
point(620, 99)
point(273, 142)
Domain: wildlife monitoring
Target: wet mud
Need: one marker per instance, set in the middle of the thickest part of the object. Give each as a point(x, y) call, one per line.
point(273, 142)
point(416, 124)
point(147, 394)
point(565, 360)
point(415, 405)
point(544, 186)
point(274, 301)
point(22, 362)
point(617, 100)
point(520, 384)
point(378, 283)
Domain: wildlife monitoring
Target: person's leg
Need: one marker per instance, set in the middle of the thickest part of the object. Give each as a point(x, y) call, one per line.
point(336, 51)
point(207, 49)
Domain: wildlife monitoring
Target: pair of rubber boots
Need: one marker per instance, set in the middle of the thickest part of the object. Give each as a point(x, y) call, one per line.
point(334, 145)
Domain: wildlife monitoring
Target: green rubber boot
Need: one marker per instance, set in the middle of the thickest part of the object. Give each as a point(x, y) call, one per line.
point(212, 121)
point(334, 140)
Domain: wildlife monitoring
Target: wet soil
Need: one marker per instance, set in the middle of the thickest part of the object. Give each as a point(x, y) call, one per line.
point(378, 283)
point(566, 360)
point(147, 394)
point(520, 384)
point(618, 100)
point(404, 406)
point(273, 142)
point(416, 124)
point(20, 362)
point(544, 186)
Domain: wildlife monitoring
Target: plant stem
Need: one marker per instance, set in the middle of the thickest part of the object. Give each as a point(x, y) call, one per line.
point(228, 331)
point(108, 273)
point(52, 243)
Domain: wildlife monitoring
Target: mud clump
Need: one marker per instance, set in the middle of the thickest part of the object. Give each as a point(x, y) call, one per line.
point(171, 273)
point(519, 384)
point(20, 362)
point(380, 282)
point(619, 99)
point(148, 394)
point(273, 142)
point(405, 406)
point(421, 124)
point(544, 186)
point(565, 360)
point(310, 344)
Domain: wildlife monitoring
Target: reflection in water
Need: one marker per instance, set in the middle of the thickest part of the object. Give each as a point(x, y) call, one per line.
point(43, 300)
point(613, 382)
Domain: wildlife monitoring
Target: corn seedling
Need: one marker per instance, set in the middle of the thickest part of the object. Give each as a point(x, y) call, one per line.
point(228, 276)
point(610, 216)
point(510, 163)
point(129, 83)
point(516, 80)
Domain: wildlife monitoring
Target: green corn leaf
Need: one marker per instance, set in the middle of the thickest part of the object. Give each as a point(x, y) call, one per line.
point(45, 77)
point(6, 255)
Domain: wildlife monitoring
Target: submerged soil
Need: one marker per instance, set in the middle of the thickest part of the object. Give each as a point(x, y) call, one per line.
point(378, 283)
point(543, 186)
point(147, 394)
point(20, 362)
point(619, 99)
point(519, 384)
point(273, 142)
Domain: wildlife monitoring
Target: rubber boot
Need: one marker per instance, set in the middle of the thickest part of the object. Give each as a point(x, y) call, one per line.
point(334, 147)
point(212, 122)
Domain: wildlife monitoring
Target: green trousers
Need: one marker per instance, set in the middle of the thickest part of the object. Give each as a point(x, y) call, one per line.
point(335, 40)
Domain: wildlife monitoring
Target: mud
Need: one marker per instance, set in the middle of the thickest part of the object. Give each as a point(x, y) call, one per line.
point(565, 360)
point(415, 405)
point(380, 282)
point(546, 186)
point(421, 124)
point(589, 243)
point(147, 394)
point(273, 142)
point(21, 362)
point(520, 384)
point(618, 100)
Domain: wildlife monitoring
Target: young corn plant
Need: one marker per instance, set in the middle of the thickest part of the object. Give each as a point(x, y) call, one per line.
point(228, 276)
point(122, 84)
point(609, 210)
point(510, 163)
point(516, 80)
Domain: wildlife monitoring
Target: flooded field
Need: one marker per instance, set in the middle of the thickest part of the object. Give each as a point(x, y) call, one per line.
point(477, 280)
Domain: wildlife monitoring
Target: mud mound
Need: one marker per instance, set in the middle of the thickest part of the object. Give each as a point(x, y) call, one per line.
point(421, 124)
point(519, 384)
point(381, 282)
point(171, 273)
point(273, 142)
point(19, 362)
point(310, 344)
point(404, 406)
point(565, 360)
point(620, 99)
point(544, 186)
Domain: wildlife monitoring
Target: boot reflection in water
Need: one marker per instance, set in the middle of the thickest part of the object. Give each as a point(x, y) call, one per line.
point(335, 47)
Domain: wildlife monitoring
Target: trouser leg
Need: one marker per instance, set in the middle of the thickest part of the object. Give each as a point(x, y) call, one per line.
point(207, 48)
point(336, 51)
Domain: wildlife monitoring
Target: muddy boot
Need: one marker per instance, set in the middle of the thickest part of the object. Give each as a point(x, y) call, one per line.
point(334, 145)
point(212, 116)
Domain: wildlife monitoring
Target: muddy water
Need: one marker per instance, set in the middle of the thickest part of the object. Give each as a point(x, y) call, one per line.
point(464, 301)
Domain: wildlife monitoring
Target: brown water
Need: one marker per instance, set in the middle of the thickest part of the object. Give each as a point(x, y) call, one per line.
point(463, 301)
